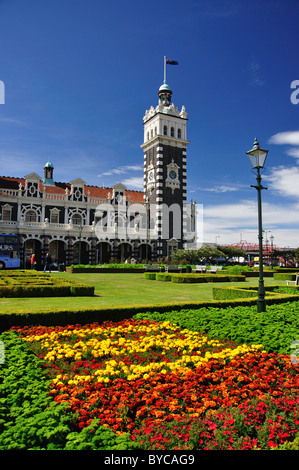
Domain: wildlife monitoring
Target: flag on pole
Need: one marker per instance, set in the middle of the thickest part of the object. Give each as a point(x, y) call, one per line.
point(171, 62)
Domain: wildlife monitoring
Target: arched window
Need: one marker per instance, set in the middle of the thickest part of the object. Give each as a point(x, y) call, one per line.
point(172, 132)
point(77, 219)
point(31, 216)
point(165, 130)
point(179, 134)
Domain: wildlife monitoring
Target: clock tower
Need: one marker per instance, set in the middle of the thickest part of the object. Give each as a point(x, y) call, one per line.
point(165, 187)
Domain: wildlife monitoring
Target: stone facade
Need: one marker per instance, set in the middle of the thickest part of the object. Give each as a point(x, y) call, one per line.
point(78, 223)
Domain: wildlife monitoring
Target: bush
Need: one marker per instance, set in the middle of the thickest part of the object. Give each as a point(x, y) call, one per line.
point(221, 293)
point(165, 277)
point(193, 278)
point(275, 329)
point(33, 284)
point(151, 276)
point(31, 420)
point(284, 276)
point(225, 293)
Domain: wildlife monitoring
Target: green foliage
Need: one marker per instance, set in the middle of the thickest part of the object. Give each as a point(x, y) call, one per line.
point(189, 278)
point(105, 268)
point(193, 278)
point(97, 437)
point(207, 253)
point(109, 265)
point(293, 290)
point(165, 277)
point(294, 445)
point(226, 293)
point(31, 420)
point(34, 284)
point(151, 276)
point(284, 276)
point(276, 328)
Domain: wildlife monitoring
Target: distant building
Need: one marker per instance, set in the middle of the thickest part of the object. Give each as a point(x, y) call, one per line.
point(76, 222)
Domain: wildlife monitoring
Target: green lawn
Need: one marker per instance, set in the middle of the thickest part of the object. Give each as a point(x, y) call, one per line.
point(113, 289)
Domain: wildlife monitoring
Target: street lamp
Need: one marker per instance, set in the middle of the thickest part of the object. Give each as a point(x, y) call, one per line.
point(257, 157)
point(146, 203)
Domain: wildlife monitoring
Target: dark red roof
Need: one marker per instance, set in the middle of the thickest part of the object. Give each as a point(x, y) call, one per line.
point(7, 182)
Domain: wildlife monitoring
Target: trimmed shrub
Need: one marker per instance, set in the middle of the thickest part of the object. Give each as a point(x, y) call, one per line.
point(222, 293)
point(32, 284)
point(151, 276)
point(194, 278)
point(165, 277)
point(284, 277)
point(63, 317)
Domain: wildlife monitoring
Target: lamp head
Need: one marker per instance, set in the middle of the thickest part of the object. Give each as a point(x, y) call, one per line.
point(257, 155)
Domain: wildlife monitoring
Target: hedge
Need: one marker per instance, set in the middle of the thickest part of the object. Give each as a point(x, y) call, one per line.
point(93, 269)
point(32, 284)
point(151, 276)
point(284, 277)
point(221, 293)
point(165, 277)
point(63, 317)
point(194, 278)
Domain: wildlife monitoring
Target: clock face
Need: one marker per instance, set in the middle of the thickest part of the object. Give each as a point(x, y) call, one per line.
point(172, 174)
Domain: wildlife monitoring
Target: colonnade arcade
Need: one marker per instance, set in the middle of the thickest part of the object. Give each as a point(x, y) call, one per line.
point(76, 250)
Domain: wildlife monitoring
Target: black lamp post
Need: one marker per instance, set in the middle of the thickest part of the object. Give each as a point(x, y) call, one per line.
point(257, 157)
point(146, 203)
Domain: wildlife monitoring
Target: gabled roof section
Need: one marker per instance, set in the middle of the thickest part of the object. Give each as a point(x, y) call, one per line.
point(78, 181)
point(119, 186)
point(32, 176)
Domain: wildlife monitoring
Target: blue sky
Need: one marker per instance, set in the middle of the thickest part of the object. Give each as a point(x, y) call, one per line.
point(79, 75)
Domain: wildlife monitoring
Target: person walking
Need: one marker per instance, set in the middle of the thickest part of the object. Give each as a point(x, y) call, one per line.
point(48, 263)
point(32, 261)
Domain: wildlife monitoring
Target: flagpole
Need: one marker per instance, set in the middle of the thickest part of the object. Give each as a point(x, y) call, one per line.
point(165, 69)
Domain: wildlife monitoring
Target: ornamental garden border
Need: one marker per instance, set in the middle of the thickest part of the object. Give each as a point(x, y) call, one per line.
point(23, 283)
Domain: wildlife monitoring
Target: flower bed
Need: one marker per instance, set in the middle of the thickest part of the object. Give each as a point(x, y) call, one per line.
point(168, 387)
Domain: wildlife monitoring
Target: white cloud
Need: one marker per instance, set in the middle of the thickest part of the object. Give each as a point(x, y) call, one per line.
point(218, 189)
point(284, 180)
point(285, 138)
point(121, 170)
point(293, 152)
point(231, 222)
point(134, 182)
